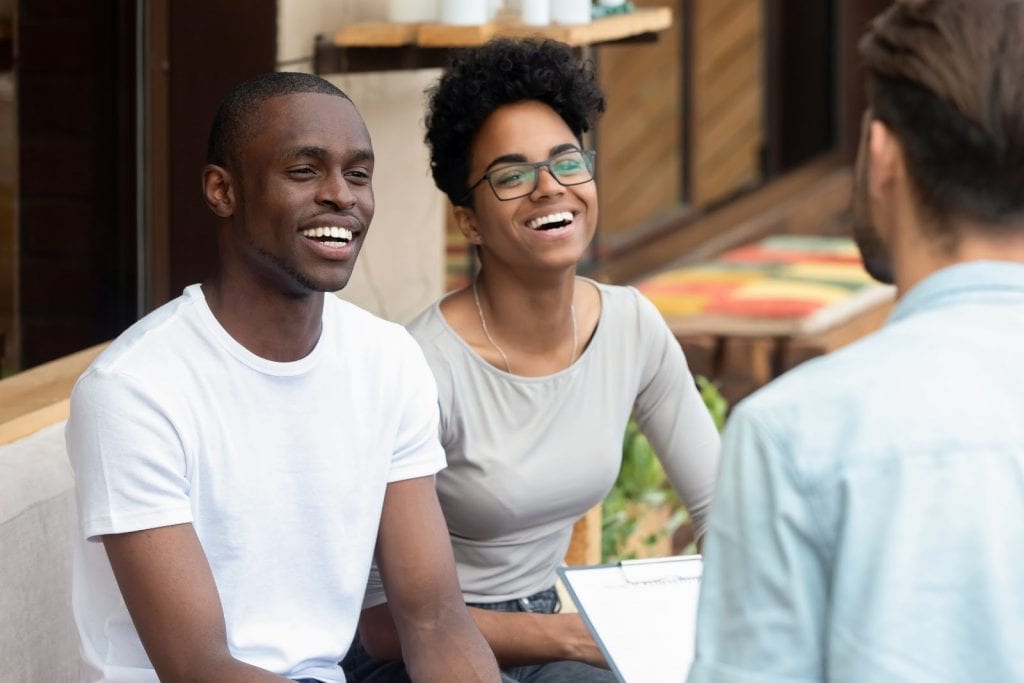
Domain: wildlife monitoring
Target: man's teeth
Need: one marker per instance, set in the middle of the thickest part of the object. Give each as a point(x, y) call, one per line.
point(560, 217)
point(332, 232)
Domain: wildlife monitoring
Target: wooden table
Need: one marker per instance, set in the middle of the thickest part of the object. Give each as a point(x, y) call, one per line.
point(757, 311)
point(741, 363)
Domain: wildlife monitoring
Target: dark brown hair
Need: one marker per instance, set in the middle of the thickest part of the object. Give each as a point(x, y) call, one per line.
point(238, 112)
point(947, 77)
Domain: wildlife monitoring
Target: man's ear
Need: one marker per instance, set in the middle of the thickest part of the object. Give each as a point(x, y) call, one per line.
point(465, 218)
point(887, 167)
point(219, 190)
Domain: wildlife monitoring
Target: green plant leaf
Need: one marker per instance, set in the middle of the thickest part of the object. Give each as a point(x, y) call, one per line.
point(713, 400)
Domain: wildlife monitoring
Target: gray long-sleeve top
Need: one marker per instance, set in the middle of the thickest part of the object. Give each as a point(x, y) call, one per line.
point(527, 456)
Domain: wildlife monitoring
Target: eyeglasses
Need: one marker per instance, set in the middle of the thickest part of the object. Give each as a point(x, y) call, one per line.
point(513, 181)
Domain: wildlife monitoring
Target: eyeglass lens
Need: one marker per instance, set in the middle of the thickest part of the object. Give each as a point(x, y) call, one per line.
point(571, 168)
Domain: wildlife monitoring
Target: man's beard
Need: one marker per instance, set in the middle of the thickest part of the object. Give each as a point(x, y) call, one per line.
point(876, 257)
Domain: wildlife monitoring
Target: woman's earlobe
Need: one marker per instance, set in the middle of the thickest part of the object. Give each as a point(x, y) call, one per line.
point(218, 190)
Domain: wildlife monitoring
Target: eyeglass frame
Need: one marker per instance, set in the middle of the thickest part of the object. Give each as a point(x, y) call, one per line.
point(589, 156)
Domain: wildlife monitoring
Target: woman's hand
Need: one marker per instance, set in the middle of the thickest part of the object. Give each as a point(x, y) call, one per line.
point(520, 638)
point(516, 637)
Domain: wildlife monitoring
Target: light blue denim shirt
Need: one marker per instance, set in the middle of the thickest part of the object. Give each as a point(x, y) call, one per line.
point(868, 523)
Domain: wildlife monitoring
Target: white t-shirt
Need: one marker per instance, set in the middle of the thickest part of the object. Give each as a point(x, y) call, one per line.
point(280, 467)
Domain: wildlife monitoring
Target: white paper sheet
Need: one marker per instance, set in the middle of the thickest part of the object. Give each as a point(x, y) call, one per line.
point(643, 614)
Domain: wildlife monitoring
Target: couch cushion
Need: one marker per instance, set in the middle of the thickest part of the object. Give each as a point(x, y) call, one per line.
point(38, 638)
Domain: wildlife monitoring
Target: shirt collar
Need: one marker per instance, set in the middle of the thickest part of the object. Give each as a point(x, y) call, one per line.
point(959, 281)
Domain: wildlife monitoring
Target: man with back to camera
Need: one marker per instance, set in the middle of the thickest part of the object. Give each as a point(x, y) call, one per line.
point(869, 519)
point(236, 449)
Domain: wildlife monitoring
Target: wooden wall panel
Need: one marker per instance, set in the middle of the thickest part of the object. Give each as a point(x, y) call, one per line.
point(727, 98)
point(639, 139)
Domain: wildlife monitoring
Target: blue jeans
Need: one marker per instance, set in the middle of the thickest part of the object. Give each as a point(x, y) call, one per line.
point(361, 668)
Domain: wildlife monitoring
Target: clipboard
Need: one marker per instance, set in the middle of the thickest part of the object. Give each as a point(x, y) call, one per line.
point(642, 613)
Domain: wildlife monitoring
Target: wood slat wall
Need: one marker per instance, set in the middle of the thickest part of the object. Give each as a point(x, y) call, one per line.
point(642, 158)
point(639, 139)
point(811, 199)
point(727, 97)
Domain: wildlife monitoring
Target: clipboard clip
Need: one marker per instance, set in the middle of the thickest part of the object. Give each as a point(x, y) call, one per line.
point(655, 570)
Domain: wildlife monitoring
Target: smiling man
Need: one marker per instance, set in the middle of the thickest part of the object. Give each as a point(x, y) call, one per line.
point(241, 451)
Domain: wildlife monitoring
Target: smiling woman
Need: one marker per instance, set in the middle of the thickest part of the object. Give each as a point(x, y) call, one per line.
point(538, 370)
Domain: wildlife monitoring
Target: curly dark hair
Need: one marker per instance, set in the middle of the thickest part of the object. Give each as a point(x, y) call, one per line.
point(500, 72)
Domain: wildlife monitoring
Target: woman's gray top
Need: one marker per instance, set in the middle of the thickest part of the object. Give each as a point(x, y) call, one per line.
point(527, 456)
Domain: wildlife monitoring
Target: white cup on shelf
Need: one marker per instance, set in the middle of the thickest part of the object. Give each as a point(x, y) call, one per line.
point(412, 11)
point(464, 12)
point(535, 12)
point(570, 12)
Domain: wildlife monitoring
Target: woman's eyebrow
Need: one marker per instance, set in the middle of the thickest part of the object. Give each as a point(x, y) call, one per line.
point(506, 159)
point(520, 159)
point(566, 147)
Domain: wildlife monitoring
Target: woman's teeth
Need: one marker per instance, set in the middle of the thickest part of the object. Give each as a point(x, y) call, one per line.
point(332, 232)
point(546, 222)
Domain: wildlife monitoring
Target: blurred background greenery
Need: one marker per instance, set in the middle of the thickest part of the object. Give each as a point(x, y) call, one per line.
point(642, 516)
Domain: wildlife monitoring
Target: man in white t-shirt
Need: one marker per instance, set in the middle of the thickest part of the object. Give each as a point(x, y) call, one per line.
point(241, 451)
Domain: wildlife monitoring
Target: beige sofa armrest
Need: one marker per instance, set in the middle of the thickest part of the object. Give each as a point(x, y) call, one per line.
point(38, 397)
point(38, 638)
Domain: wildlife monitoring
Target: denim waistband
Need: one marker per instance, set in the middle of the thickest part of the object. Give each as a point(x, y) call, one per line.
point(545, 601)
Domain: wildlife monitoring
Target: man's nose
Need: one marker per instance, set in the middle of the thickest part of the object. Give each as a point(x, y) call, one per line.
point(335, 190)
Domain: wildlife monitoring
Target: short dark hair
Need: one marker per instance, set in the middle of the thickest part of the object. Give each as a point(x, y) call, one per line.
point(500, 72)
point(237, 113)
point(947, 77)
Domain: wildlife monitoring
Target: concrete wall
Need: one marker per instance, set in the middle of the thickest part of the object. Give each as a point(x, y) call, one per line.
point(400, 270)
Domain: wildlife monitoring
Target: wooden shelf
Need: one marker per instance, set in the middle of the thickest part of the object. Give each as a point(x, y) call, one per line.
point(376, 34)
point(382, 46)
point(618, 27)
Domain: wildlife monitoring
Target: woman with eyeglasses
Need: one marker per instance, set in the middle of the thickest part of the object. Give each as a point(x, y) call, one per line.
point(538, 369)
